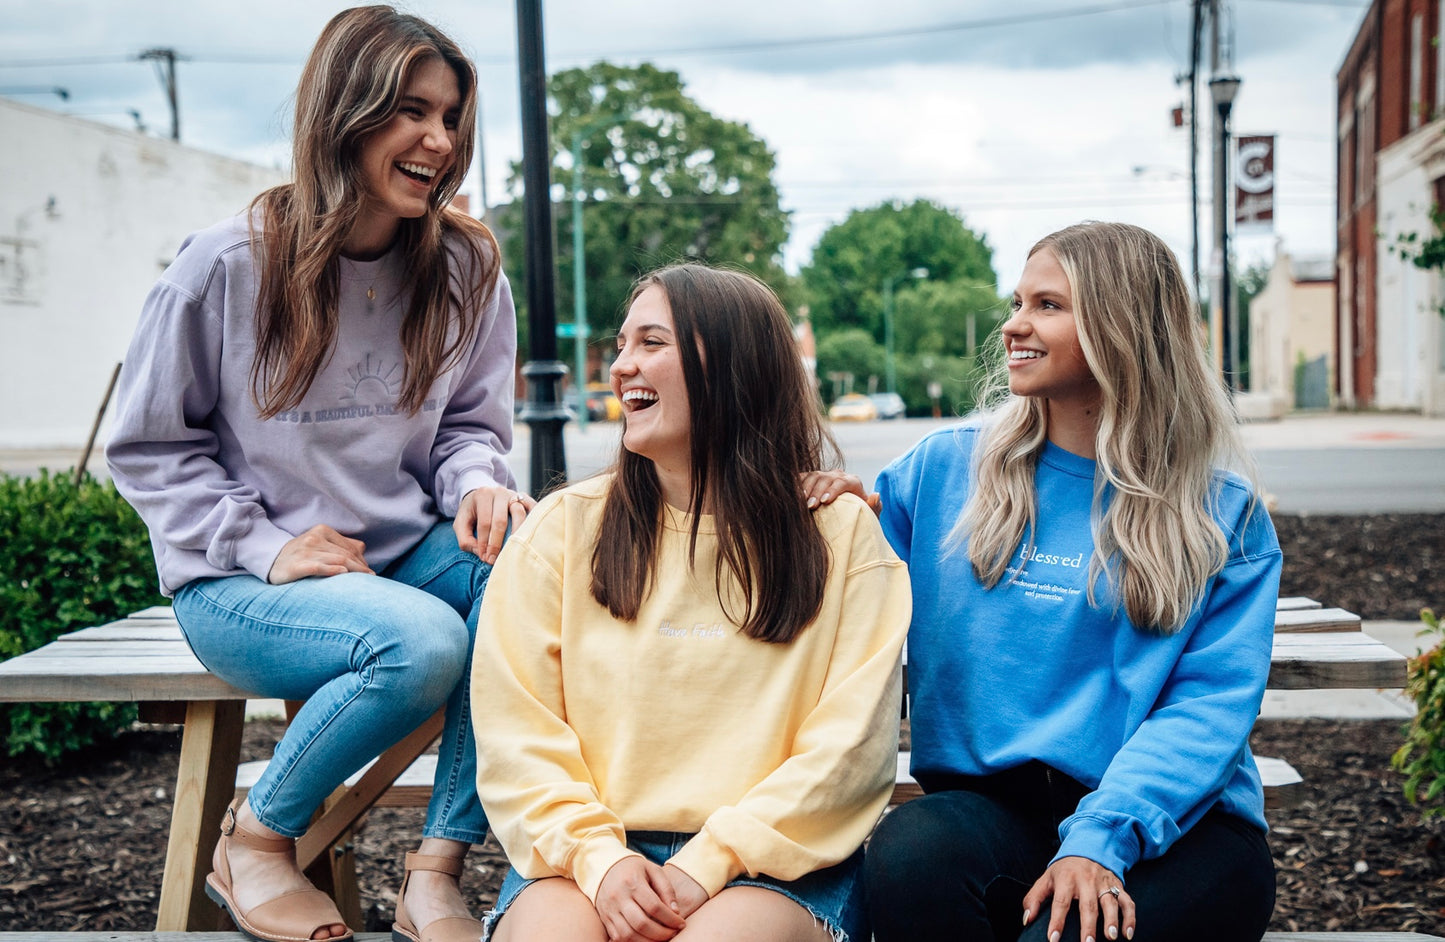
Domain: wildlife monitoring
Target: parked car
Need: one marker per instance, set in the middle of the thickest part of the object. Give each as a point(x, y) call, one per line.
point(602, 405)
point(890, 405)
point(854, 407)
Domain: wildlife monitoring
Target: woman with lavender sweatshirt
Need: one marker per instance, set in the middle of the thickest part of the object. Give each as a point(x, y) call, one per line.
point(314, 418)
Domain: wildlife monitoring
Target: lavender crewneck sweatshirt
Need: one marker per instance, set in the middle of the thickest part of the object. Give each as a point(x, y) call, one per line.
point(222, 490)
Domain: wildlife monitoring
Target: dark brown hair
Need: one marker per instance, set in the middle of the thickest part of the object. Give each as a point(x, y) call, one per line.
point(350, 88)
point(755, 430)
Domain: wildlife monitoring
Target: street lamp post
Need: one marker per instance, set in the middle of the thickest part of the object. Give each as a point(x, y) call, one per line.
point(891, 376)
point(579, 262)
point(1222, 89)
point(579, 280)
point(544, 410)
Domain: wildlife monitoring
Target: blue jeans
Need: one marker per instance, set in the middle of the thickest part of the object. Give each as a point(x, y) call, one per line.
point(833, 896)
point(372, 656)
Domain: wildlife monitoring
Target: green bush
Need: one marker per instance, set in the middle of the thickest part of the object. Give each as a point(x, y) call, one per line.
point(70, 557)
point(1422, 757)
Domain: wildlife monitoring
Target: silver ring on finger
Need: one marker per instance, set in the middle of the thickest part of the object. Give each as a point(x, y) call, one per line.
point(517, 499)
point(1113, 891)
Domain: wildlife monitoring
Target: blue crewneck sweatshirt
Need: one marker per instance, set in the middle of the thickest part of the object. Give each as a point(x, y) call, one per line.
point(1157, 725)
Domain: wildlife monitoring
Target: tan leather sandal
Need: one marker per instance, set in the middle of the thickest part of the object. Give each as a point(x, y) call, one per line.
point(447, 929)
point(290, 917)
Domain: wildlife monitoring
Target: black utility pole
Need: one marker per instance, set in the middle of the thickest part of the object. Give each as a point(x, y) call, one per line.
point(1196, 27)
point(543, 410)
point(165, 60)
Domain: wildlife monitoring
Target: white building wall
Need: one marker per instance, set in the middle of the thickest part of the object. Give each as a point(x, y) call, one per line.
point(1410, 330)
point(90, 215)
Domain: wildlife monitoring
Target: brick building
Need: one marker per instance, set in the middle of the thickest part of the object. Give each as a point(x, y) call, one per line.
point(1391, 170)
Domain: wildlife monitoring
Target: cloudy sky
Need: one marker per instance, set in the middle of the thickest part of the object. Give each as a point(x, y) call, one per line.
point(1024, 115)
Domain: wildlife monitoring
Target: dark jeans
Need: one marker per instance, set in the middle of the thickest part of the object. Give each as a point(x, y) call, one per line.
point(955, 864)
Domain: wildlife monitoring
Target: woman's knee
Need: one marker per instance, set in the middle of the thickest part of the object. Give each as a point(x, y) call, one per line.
point(551, 910)
point(941, 832)
point(417, 641)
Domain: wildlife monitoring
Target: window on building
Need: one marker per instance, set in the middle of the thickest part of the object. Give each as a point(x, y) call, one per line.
point(1439, 59)
point(1365, 141)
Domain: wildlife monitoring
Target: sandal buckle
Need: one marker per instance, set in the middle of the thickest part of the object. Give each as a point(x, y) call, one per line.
point(228, 821)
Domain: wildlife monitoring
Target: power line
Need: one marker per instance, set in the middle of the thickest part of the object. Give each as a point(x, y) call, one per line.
point(959, 26)
point(996, 22)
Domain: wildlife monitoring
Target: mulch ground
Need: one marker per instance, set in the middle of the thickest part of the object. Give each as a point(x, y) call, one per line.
point(82, 845)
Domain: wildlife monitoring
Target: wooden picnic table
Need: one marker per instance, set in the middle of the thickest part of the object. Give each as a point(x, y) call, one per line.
point(144, 658)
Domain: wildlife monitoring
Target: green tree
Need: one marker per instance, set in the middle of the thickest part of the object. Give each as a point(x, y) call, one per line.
point(939, 321)
point(846, 359)
point(844, 280)
point(663, 180)
point(951, 318)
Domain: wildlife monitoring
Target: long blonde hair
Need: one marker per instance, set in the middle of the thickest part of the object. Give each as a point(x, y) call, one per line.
point(350, 88)
point(1166, 426)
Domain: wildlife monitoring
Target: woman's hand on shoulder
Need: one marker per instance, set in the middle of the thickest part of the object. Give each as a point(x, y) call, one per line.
point(482, 518)
point(320, 551)
point(1099, 892)
point(636, 902)
point(823, 487)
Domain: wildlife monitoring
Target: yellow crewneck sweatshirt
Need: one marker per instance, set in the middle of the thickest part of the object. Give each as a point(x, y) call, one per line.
point(779, 757)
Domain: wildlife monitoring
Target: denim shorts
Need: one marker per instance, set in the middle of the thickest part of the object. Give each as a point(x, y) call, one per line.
point(833, 896)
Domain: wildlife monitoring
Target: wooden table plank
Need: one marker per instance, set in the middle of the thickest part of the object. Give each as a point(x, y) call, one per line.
point(1316, 619)
point(1334, 660)
point(1290, 603)
point(155, 682)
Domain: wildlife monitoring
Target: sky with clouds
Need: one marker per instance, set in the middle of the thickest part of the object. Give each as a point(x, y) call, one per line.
point(1023, 115)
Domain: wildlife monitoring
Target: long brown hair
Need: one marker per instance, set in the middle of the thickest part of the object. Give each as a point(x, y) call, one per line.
point(755, 429)
point(350, 88)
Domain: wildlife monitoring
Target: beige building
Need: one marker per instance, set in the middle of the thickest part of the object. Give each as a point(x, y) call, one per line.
point(1291, 334)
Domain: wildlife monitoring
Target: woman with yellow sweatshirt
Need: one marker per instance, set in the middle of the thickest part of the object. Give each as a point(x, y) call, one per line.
point(686, 684)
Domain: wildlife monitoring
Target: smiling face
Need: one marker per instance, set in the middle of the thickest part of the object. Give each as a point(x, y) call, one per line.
point(1045, 358)
point(648, 380)
point(404, 160)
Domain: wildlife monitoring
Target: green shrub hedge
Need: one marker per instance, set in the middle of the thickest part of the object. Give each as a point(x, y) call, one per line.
point(70, 557)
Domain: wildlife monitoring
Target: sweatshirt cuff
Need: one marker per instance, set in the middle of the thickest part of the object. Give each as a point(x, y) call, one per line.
point(1097, 841)
point(592, 862)
point(709, 863)
point(257, 550)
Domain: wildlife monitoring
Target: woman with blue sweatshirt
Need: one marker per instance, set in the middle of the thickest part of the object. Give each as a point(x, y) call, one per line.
point(314, 419)
point(1092, 622)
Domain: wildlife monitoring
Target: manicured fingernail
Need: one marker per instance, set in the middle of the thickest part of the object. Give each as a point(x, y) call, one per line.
point(1088, 938)
point(1129, 933)
point(1112, 932)
point(812, 502)
point(828, 496)
point(1054, 936)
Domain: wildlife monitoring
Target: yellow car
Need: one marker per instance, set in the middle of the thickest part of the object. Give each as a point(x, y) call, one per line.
point(854, 407)
point(602, 405)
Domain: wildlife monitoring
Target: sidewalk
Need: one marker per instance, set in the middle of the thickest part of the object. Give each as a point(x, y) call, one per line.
point(1345, 430)
point(1296, 431)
